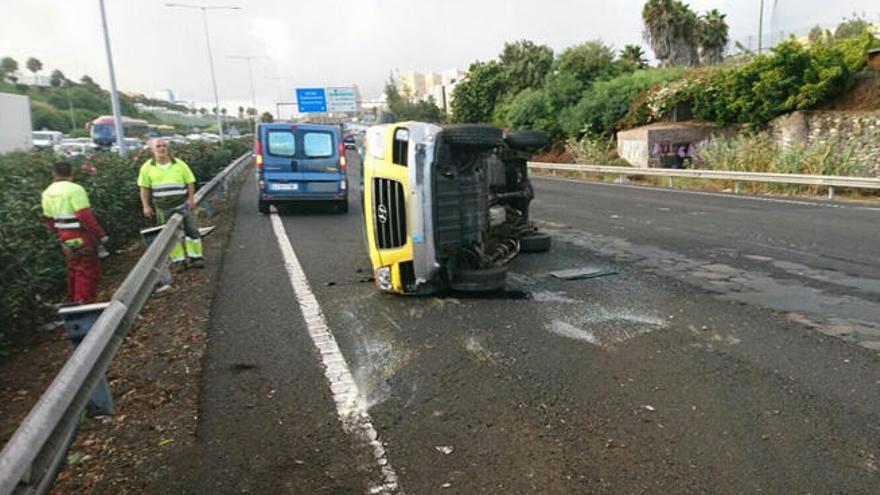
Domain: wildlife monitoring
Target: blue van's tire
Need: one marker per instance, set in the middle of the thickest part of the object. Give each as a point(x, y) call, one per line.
point(263, 207)
point(485, 280)
point(342, 206)
point(478, 135)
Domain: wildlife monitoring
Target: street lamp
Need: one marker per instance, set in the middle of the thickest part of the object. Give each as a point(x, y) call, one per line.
point(114, 95)
point(204, 9)
point(251, 75)
point(280, 101)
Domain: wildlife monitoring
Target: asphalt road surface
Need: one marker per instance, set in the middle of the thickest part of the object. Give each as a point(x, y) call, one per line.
point(734, 349)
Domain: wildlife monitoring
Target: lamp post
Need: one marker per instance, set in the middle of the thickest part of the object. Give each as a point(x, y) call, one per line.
point(114, 95)
point(248, 58)
point(204, 9)
point(280, 101)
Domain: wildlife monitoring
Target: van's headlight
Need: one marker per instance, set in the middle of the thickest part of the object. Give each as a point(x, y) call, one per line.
point(383, 278)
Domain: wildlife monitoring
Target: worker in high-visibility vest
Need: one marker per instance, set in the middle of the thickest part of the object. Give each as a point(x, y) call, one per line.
point(171, 185)
point(68, 214)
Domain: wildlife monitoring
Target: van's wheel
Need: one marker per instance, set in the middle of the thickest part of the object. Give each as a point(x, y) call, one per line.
point(535, 243)
point(484, 280)
point(342, 206)
point(484, 136)
point(263, 206)
point(526, 140)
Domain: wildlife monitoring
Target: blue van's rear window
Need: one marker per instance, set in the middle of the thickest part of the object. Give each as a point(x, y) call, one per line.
point(282, 143)
point(318, 144)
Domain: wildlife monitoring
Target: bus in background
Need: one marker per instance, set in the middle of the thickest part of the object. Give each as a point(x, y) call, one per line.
point(103, 131)
point(161, 130)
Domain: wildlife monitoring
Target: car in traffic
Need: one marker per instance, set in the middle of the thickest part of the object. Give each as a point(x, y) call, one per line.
point(46, 139)
point(71, 148)
point(349, 141)
point(447, 207)
point(300, 162)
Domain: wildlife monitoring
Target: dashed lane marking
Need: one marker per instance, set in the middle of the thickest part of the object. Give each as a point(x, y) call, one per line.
point(355, 419)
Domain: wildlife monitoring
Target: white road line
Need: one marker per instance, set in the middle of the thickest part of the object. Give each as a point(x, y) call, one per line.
point(355, 419)
point(713, 194)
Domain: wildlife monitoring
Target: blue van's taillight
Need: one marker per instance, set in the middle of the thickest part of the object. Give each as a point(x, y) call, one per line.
point(341, 156)
point(258, 154)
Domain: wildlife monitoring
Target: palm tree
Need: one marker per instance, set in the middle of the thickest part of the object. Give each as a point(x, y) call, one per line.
point(634, 55)
point(223, 112)
point(34, 66)
point(669, 28)
point(712, 37)
point(240, 112)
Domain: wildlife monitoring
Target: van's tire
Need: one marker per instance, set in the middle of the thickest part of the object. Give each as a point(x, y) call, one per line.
point(263, 207)
point(342, 206)
point(477, 135)
point(526, 140)
point(535, 243)
point(485, 280)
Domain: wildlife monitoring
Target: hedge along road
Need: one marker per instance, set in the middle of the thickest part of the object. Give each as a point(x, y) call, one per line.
point(647, 381)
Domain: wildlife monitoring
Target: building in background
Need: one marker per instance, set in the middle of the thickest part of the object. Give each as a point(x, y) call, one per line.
point(430, 84)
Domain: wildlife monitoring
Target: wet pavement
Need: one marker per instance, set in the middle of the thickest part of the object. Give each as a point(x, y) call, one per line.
point(717, 358)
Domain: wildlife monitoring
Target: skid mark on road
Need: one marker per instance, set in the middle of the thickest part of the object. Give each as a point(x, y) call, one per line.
point(846, 316)
point(355, 420)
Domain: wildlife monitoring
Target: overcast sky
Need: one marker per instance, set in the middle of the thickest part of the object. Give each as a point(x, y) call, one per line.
point(337, 42)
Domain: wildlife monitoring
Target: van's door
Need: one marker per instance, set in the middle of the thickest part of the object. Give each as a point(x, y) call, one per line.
point(280, 149)
point(319, 160)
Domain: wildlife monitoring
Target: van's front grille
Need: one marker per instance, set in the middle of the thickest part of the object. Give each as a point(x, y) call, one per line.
point(389, 213)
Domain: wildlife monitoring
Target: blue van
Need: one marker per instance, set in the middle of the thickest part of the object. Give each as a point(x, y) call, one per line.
point(300, 162)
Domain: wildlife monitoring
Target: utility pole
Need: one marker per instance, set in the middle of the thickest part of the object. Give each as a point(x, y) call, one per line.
point(114, 95)
point(251, 76)
point(204, 9)
point(760, 27)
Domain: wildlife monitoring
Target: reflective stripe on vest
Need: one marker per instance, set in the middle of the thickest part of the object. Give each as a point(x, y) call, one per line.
point(66, 222)
point(167, 190)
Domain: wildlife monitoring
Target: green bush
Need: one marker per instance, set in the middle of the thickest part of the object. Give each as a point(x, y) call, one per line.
point(602, 107)
point(791, 78)
point(31, 264)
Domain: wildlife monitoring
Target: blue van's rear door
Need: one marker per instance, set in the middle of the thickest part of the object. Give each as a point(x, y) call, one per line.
point(319, 160)
point(280, 158)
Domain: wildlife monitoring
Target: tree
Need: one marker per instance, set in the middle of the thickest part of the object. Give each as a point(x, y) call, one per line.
point(712, 37)
point(223, 112)
point(34, 65)
point(669, 29)
point(251, 112)
point(266, 118)
point(8, 67)
point(405, 107)
point(525, 65)
point(203, 111)
point(851, 28)
point(240, 112)
point(474, 97)
point(633, 57)
point(533, 109)
point(56, 79)
point(588, 61)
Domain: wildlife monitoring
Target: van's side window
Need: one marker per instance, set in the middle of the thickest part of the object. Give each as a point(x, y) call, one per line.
point(318, 144)
point(401, 146)
point(282, 143)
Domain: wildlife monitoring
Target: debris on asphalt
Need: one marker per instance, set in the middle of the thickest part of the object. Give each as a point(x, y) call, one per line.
point(649, 408)
point(444, 449)
point(445, 485)
point(581, 273)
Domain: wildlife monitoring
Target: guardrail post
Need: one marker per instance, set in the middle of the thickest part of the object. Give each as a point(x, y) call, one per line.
point(78, 320)
point(736, 187)
point(149, 235)
point(671, 182)
point(831, 192)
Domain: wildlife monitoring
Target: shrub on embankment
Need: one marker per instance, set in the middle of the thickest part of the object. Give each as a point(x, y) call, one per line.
point(31, 265)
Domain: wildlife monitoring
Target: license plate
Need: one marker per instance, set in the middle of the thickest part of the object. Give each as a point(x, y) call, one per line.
point(285, 187)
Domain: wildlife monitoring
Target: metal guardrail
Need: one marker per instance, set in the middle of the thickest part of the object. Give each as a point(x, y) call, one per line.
point(31, 459)
point(829, 181)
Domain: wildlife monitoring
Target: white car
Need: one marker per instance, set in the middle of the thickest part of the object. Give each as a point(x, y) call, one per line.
point(74, 148)
point(46, 139)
